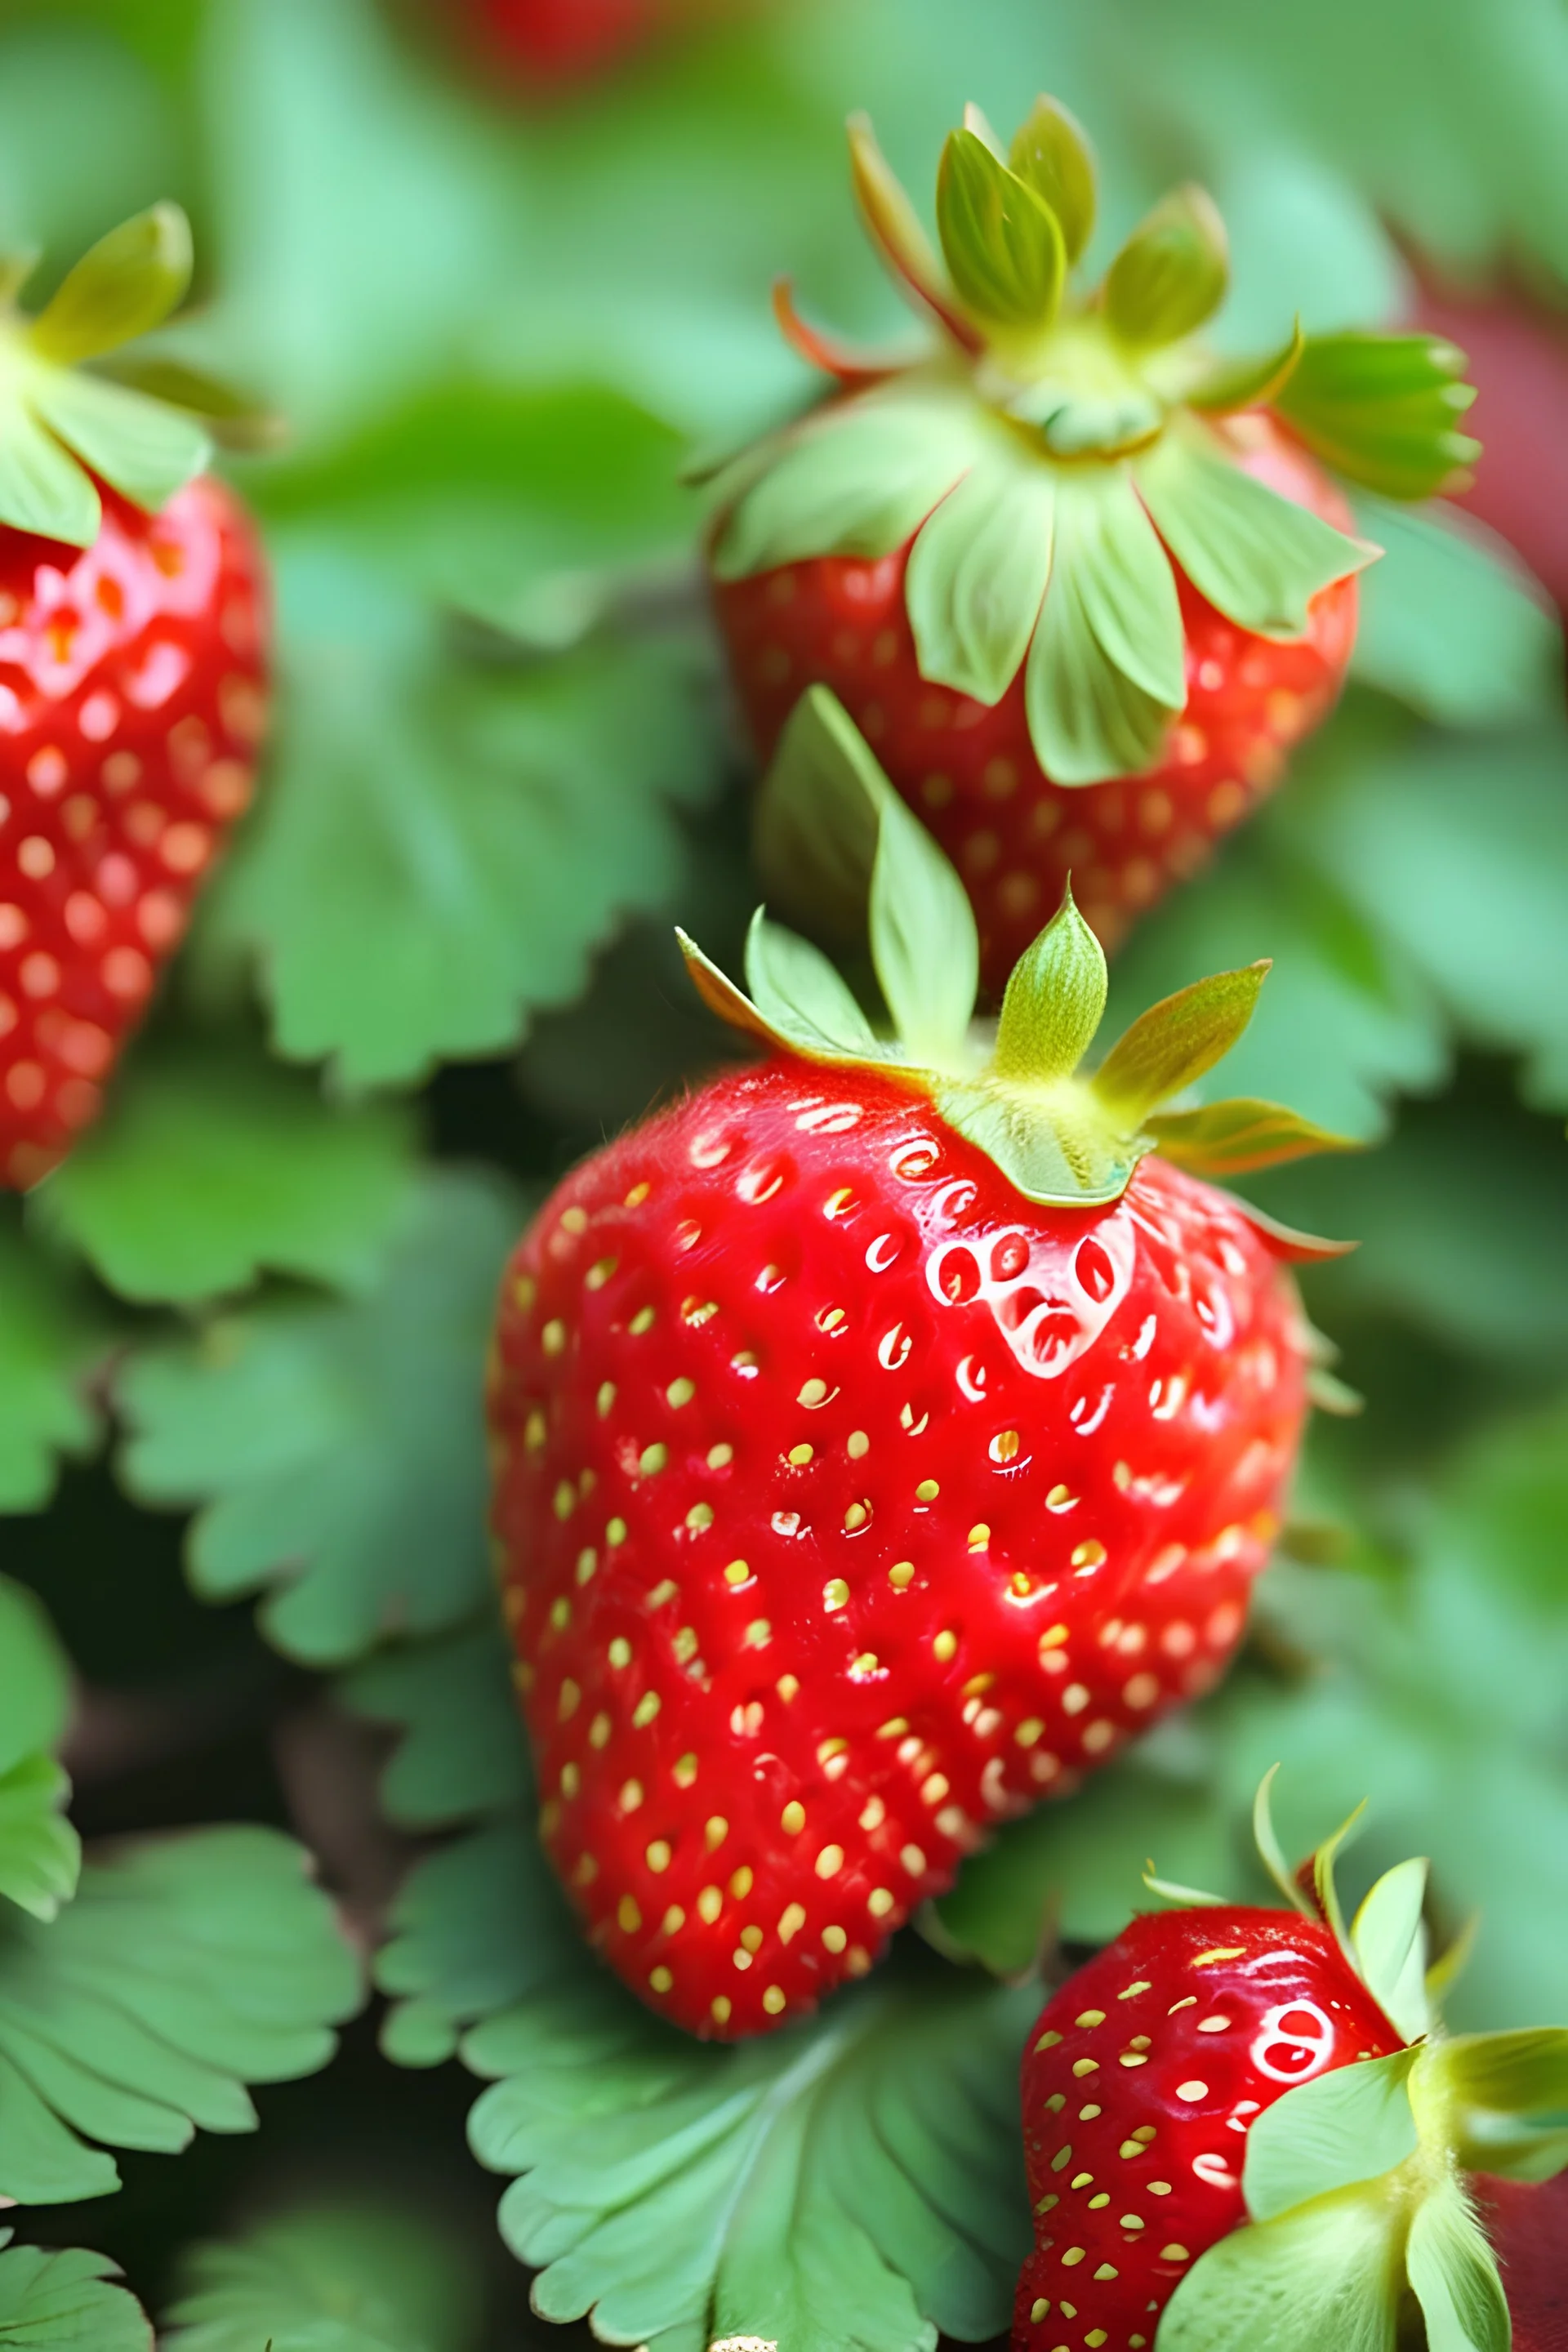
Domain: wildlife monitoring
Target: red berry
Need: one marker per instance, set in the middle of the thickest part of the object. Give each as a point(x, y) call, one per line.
point(1528, 2226)
point(970, 772)
point(132, 697)
point(848, 1501)
point(557, 44)
point(1140, 2083)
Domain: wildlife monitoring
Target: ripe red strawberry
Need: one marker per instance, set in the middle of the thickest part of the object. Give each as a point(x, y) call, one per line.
point(1528, 2226)
point(1080, 584)
point(1144, 2084)
point(1014, 835)
point(865, 1470)
point(133, 689)
point(559, 44)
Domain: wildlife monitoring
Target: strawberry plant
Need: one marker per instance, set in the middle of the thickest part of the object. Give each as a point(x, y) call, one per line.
point(564, 1747)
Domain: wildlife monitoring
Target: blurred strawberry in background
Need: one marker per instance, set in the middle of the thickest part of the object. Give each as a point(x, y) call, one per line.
point(1518, 351)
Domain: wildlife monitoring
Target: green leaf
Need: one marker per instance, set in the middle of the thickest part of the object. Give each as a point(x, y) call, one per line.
point(335, 1451)
point(140, 447)
point(1003, 244)
point(42, 488)
point(185, 1967)
point(1054, 1000)
point(530, 505)
point(1451, 623)
point(1171, 273)
point(34, 1678)
point(826, 2187)
point(63, 2302)
point(818, 816)
point(1455, 2275)
point(443, 842)
point(41, 1853)
point(1052, 154)
point(126, 286)
point(476, 1926)
point(1383, 410)
point(50, 1339)
point(856, 479)
point(798, 993)
point(1260, 557)
point(214, 1166)
point(1106, 672)
point(461, 1752)
point(1390, 1939)
point(336, 2277)
point(1329, 2273)
point(234, 419)
point(1239, 1136)
point(1173, 1044)
point(924, 945)
point(977, 576)
point(1348, 2126)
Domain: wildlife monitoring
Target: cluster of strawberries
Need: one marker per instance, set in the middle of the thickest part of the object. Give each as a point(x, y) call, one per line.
point(891, 1429)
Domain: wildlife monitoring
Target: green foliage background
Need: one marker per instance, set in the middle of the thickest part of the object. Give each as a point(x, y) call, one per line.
point(241, 1332)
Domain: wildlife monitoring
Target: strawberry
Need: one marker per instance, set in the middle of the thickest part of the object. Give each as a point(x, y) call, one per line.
point(1145, 2081)
point(1528, 2226)
point(133, 687)
point(882, 1438)
point(556, 45)
point(1080, 584)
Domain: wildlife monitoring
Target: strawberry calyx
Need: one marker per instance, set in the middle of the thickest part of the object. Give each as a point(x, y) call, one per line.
point(1357, 2182)
point(1055, 447)
point(145, 425)
point(1016, 1091)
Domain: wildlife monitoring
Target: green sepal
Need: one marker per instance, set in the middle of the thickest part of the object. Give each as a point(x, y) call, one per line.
point(41, 489)
point(818, 813)
point(124, 286)
point(892, 224)
point(234, 419)
point(1343, 2128)
point(1106, 671)
point(925, 949)
point(1454, 2273)
point(1239, 1136)
point(799, 993)
point(1046, 1140)
point(1500, 2098)
point(1052, 154)
point(1323, 1868)
point(1227, 385)
point(977, 575)
point(1004, 245)
point(1266, 1837)
point(828, 810)
point(1389, 1936)
point(1171, 273)
point(1383, 410)
point(855, 480)
point(1172, 1045)
point(1329, 2274)
point(1261, 558)
point(146, 451)
point(1053, 1002)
